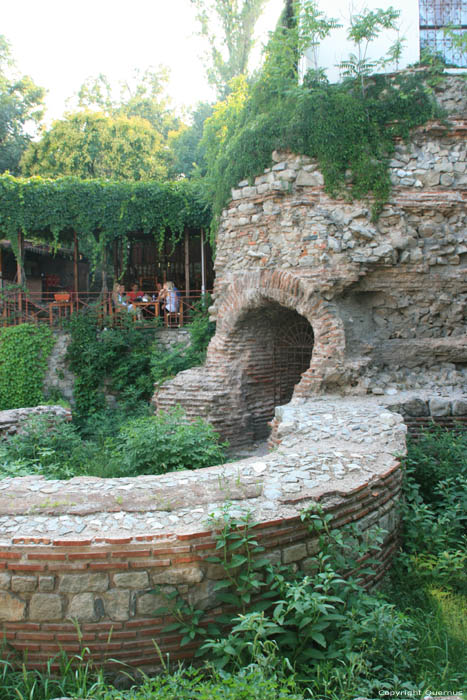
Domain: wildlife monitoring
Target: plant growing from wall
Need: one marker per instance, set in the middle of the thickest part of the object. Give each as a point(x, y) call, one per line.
point(349, 131)
point(24, 352)
point(167, 363)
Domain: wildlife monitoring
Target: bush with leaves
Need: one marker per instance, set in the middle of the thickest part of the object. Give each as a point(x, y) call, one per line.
point(166, 364)
point(118, 358)
point(24, 352)
point(163, 443)
point(56, 449)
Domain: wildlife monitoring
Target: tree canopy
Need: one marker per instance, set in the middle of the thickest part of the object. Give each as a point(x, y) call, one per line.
point(21, 110)
point(228, 26)
point(50, 211)
point(89, 144)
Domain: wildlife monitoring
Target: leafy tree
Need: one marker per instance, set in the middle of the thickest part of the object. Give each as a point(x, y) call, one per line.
point(228, 24)
point(187, 150)
point(92, 145)
point(143, 97)
point(20, 110)
point(364, 28)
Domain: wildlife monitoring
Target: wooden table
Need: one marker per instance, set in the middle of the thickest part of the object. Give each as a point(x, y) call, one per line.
point(152, 308)
point(61, 306)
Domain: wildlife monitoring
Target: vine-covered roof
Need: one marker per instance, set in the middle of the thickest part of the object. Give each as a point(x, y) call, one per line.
point(50, 210)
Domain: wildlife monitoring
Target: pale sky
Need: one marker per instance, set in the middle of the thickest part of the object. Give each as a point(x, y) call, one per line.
point(61, 43)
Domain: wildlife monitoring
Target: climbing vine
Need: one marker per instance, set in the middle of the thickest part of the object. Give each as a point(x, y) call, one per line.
point(50, 211)
point(24, 352)
point(351, 133)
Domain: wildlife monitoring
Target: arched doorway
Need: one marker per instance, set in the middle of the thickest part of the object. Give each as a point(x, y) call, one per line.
point(293, 347)
point(274, 346)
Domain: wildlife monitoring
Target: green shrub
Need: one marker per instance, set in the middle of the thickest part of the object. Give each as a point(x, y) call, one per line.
point(24, 352)
point(51, 447)
point(114, 358)
point(166, 364)
point(163, 443)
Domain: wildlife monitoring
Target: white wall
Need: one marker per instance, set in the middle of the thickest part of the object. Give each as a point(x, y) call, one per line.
point(336, 47)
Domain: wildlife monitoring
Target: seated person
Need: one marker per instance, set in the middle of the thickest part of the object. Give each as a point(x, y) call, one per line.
point(135, 295)
point(169, 298)
point(120, 299)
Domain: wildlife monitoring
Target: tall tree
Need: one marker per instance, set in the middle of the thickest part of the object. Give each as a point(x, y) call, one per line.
point(187, 151)
point(142, 96)
point(229, 26)
point(91, 145)
point(21, 110)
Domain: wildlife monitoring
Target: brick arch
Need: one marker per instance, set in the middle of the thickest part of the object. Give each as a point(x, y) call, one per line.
point(253, 291)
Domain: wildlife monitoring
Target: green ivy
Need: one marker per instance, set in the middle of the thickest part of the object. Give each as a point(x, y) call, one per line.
point(98, 211)
point(24, 352)
point(350, 132)
point(116, 359)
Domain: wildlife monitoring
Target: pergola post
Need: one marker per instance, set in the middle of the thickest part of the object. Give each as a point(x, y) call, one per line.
point(187, 263)
point(19, 260)
point(203, 266)
point(75, 267)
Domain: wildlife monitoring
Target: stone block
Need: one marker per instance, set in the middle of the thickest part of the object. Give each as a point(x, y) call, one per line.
point(274, 557)
point(447, 179)
point(203, 596)
point(46, 583)
point(178, 574)
point(132, 579)
point(440, 407)
point(148, 603)
point(46, 607)
point(309, 566)
point(82, 608)
point(11, 607)
point(215, 572)
point(117, 604)
point(249, 192)
point(23, 584)
point(81, 583)
point(459, 407)
point(309, 179)
point(294, 553)
point(5, 581)
point(415, 408)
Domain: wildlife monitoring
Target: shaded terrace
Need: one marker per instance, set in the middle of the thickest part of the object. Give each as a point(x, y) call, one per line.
point(134, 233)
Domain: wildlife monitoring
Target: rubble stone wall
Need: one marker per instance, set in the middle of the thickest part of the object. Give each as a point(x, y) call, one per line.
point(11, 420)
point(385, 300)
point(48, 585)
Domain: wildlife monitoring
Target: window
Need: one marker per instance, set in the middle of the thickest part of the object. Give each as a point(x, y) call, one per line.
point(435, 15)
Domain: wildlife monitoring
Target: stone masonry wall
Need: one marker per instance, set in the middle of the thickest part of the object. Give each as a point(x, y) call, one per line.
point(89, 551)
point(385, 300)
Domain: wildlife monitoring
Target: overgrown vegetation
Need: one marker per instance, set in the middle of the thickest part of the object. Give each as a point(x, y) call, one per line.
point(320, 635)
point(127, 360)
point(348, 127)
point(24, 352)
point(122, 446)
point(123, 439)
point(338, 639)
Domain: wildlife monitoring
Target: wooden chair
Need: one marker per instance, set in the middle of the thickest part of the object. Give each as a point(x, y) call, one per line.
point(174, 319)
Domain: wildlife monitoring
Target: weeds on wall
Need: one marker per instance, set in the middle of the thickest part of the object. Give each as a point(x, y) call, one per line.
point(318, 636)
point(148, 444)
point(349, 127)
point(24, 353)
point(335, 638)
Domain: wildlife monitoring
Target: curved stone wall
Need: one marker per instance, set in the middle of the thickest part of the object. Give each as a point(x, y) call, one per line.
point(89, 551)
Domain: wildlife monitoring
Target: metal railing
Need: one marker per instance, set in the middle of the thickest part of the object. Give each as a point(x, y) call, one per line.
point(21, 306)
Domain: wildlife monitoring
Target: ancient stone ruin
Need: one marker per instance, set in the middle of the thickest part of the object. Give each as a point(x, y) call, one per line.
point(312, 297)
point(339, 332)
